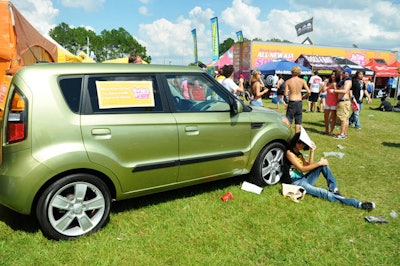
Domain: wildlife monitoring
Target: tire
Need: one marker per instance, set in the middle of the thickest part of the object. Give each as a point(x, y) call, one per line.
point(268, 167)
point(73, 206)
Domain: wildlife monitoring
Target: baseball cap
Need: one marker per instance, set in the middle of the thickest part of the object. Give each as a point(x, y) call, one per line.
point(347, 70)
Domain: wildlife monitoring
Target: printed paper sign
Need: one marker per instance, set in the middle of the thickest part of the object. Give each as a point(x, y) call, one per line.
point(120, 94)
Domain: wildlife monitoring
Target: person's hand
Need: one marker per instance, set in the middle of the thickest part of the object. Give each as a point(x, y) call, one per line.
point(313, 146)
point(323, 161)
point(241, 80)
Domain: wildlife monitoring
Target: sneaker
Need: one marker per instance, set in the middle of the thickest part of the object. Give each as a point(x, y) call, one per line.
point(336, 192)
point(367, 206)
point(340, 136)
point(358, 128)
point(307, 111)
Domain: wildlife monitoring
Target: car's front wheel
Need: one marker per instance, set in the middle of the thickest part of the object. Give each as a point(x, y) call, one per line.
point(268, 167)
point(73, 206)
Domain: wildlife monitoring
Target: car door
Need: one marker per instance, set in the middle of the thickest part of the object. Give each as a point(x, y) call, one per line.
point(213, 143)
point(126, 129)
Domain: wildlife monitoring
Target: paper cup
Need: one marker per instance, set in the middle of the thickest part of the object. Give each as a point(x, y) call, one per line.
point(227, 196)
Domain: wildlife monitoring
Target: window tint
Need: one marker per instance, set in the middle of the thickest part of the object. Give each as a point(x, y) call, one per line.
point(123, 94)
point(71, 90)
point(195, 93)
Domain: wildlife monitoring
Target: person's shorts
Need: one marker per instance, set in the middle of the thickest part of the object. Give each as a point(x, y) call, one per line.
point(294, 111)
point(313, 97)
point(257, 102)
point(322, 96)
point(327, 107)
point(343, 111)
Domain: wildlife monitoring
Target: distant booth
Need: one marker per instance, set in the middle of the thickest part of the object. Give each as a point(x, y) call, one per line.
point(382, 73)
point(346, 63)
point(324, 65)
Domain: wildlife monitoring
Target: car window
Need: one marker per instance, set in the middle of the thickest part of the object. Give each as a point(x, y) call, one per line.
point(71, 90)
point(133, 93)
point(195, 93)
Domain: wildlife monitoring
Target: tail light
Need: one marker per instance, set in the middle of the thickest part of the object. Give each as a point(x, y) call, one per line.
point(16, 123)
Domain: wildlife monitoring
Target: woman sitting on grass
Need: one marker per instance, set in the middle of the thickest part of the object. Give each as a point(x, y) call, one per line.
point(304, 173)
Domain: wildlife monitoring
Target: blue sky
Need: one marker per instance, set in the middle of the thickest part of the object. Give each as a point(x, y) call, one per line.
point(164, 26)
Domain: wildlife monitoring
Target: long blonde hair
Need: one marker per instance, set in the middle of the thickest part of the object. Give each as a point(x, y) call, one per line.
point(253, 77)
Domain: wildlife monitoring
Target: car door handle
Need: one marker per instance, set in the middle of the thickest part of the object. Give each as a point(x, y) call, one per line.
point(102, 133)
point(192, 130)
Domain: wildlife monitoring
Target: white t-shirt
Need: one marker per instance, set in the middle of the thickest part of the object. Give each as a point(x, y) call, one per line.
point(315, 82)
point(230, 85)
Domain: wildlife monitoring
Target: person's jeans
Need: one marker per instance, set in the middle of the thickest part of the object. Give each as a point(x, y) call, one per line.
point(308, 181)
point(355, 117)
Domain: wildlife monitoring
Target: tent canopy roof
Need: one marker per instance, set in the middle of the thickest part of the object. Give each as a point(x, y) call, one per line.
point(322, 64)
point(382, 70)
point(344, 62)
point(281, 66)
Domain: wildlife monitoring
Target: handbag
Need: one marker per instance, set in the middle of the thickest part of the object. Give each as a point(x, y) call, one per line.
point(293, 192)
point(354, 105)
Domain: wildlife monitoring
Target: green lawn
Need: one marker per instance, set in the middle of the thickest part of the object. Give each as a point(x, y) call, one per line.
point(192, 226)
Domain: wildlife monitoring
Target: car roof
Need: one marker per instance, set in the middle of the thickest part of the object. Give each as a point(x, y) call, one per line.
point(107, 68)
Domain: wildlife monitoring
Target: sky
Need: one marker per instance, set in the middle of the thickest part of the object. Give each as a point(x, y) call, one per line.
point(164, 26)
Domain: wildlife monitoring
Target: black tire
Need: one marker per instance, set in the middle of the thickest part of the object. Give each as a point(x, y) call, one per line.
point(268, 167)
point(73, 206)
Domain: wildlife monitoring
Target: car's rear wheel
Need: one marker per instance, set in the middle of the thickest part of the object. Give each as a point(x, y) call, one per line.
point(268, 167)
point(73, 206)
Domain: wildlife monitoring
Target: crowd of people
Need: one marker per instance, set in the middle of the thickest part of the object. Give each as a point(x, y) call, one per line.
point(340, 96)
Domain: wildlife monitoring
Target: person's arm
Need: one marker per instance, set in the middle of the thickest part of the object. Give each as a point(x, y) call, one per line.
point(304, 168)
point(191, 93)
point(258, 92)
point(240, 87)
point(369, 100)
point(308, 91)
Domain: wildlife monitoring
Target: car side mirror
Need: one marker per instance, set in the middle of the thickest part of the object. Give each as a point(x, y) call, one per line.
point(236, 107)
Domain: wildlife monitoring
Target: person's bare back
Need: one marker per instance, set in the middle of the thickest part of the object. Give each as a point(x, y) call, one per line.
point(293, 88)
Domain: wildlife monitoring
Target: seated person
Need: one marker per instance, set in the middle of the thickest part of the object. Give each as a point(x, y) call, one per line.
point(196, 91)
point(302, 172)
point(385, 106)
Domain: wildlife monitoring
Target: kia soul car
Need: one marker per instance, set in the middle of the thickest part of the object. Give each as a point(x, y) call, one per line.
point(75, 137)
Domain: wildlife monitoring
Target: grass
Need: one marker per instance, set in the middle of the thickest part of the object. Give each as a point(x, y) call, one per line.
point(192, 226)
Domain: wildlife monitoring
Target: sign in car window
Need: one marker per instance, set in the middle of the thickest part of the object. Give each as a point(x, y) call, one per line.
point(120, 94)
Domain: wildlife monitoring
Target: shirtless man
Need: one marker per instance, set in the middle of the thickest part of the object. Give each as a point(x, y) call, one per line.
point(344, 103)
point(293, 87)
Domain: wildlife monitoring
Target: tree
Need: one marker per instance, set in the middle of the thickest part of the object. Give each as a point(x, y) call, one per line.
point(108, 45)
point(223, 47)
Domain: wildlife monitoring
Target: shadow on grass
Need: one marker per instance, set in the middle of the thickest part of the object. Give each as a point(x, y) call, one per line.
point(157, 198)
point(391, 144)
point(28, 223)
point(17, 221)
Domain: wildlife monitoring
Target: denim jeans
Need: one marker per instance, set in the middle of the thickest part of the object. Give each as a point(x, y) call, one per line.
point(311, 177)
point(257, 102)
point(355, 117)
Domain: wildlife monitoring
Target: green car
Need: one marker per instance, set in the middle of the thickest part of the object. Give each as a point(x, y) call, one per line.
point(75, 137)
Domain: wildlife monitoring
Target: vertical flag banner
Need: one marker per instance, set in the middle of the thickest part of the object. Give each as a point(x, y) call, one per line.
point(195, 45)
point(215, 38)
point(304, 27)
point(239, 35)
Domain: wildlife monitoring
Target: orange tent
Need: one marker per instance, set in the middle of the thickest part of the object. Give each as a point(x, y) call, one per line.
point(20, 44)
